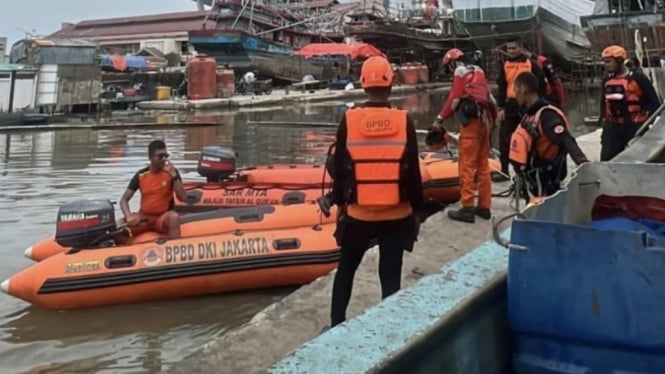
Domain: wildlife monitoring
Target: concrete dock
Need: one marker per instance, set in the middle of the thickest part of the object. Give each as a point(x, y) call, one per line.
point(281, 97)
point(284, 326)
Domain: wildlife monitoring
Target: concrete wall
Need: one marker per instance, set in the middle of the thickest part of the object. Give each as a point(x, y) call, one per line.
point(450, 322)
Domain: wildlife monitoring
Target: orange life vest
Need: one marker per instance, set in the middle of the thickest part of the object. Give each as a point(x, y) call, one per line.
point(511, 70)
point(376, 143)
point(476, 88)
point(529, 142)
point(622, 101)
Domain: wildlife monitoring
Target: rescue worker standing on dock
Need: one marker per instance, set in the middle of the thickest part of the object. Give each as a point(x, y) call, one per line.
point(628, 100)
point(470, 99)
point(377, 183)
point(541, 142)
point(509, 114)
point(554, 92)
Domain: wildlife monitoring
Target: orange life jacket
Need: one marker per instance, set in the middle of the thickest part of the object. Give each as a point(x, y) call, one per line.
point(529, 142)
point(476, 88)
point(511, 70)
point(376, 143)
point(622, 100)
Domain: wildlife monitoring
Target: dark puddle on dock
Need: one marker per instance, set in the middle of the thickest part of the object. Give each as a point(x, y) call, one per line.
point(40, 170)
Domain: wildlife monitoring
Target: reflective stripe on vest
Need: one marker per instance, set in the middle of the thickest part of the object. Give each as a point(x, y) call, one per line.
point(529, 141)
point(622, 101)
point(511, 70)
point(376, 143)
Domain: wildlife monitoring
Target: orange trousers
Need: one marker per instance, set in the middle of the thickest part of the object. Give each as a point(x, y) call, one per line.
point(474, 150)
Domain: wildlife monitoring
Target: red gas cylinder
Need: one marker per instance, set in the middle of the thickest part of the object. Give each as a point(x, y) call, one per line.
point(423, 74)
point(226, 83)
point(202, 80)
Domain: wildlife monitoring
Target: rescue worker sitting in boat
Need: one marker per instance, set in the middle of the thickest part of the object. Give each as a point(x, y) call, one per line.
point(628, 100)
point(539, 145)
point(157, 182)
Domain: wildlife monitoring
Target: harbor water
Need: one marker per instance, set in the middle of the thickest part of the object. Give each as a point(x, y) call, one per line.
point(41, 170)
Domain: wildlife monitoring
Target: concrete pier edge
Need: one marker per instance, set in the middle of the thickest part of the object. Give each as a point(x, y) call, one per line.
point(370, 341)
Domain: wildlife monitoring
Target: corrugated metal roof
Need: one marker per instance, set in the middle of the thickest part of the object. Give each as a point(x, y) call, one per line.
point(143, 25)
point(15, 67)
point(165, 17)
point(62, 42)
point(135, 29)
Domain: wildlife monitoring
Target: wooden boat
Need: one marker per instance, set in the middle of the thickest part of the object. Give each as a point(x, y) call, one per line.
point(612, 22)
point(488, 22)
point(200, 265)
point(562, 31)
point(252, 36)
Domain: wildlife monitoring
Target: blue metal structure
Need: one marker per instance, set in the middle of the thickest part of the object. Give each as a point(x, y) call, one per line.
point(587, 299)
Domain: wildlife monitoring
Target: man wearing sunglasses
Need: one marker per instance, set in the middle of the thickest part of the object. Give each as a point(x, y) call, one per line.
point(157, 182)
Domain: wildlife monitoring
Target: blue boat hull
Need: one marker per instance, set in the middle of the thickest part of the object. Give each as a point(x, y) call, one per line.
point(585, 299)
point(244, 52)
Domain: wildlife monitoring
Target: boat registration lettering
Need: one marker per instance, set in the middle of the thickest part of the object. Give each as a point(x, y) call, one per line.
point(213, 250)
point(233, 200)
point(244, 246)
point(246, 196)
point(80, 267)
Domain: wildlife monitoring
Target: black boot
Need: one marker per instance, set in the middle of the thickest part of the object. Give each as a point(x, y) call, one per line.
point(503, 176)
point(483, 213)
point(463, 215)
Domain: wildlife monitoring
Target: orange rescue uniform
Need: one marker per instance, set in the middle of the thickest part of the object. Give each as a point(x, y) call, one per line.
point(470, 90)
point(156, 198)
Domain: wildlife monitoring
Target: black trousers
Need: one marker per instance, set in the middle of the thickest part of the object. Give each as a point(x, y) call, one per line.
point(356, 236)
point(615, 138)
point(508, 126)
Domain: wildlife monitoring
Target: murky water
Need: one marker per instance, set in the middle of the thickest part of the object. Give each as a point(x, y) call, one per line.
point(40, 170)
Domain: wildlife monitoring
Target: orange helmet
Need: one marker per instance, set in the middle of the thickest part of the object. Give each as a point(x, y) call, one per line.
point(452, 55)
point(614, 51)
point(376, 72)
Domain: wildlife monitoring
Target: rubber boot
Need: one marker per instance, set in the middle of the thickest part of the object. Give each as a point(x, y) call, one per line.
point(467, 215)
point(483, 213)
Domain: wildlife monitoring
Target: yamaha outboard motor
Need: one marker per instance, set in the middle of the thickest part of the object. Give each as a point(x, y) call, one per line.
point(217, 163)
point(85, 223)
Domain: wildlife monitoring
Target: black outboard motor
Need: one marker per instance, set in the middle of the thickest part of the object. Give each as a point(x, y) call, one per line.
point(217, 163)
point(85, 223)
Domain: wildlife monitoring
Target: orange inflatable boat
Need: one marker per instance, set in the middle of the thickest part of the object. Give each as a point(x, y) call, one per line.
point(208, 264)
point(91, 223)
point(226, 186)
point(440, 175)
point(295, 184)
